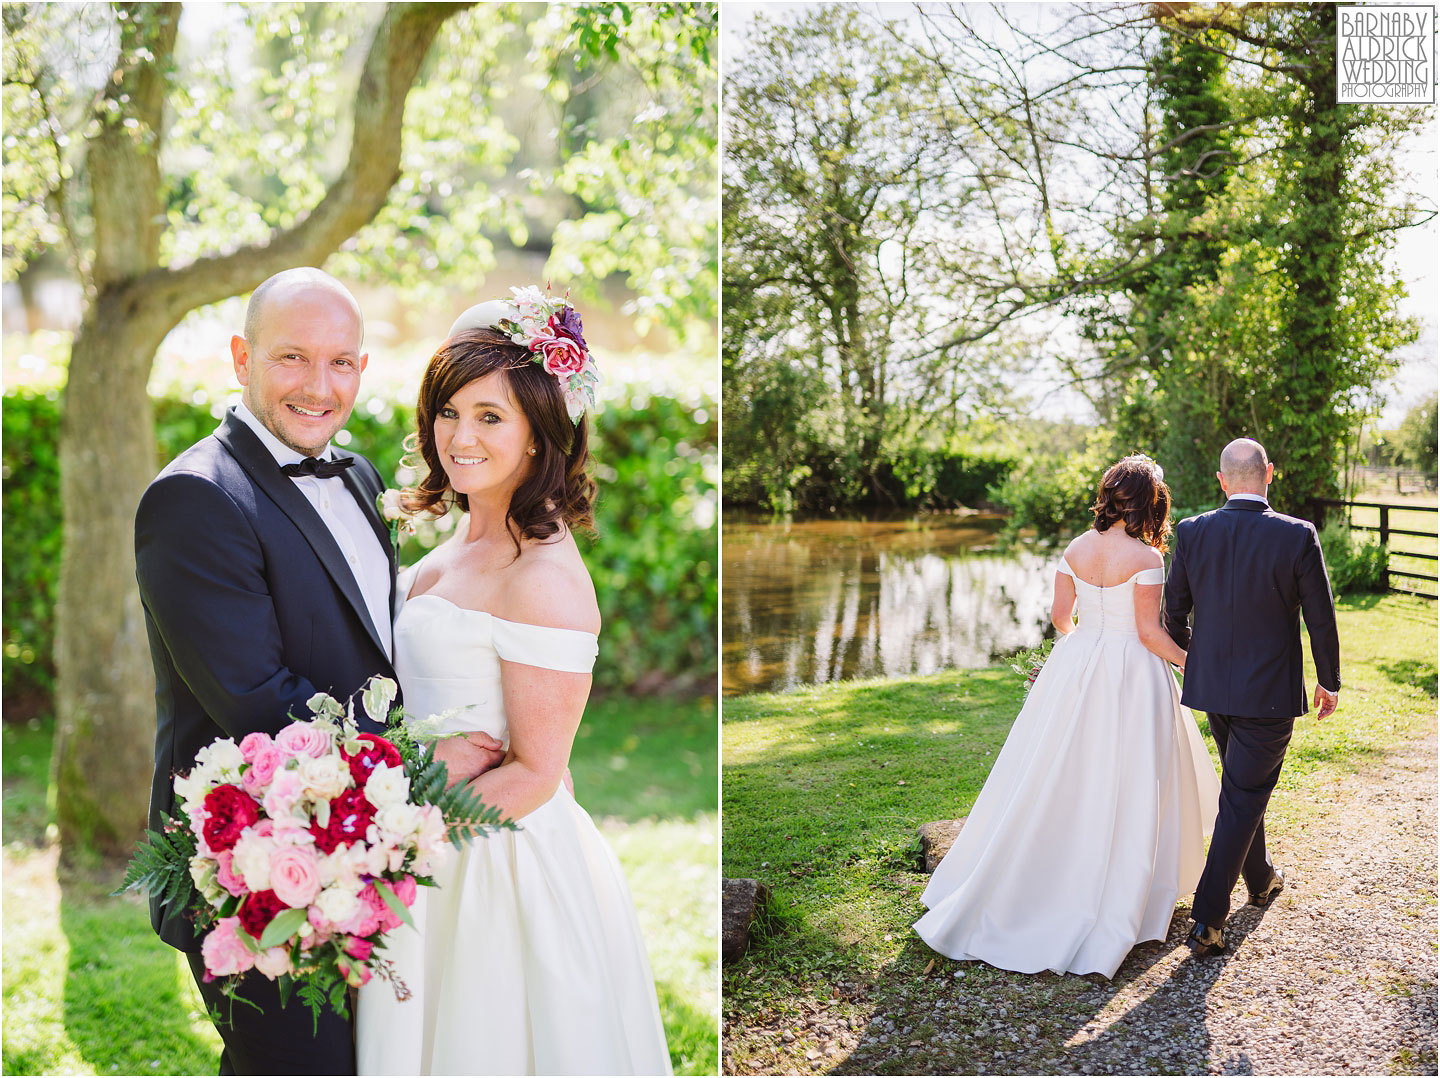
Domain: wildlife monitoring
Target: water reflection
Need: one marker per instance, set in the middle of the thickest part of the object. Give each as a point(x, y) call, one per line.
point(813, 601)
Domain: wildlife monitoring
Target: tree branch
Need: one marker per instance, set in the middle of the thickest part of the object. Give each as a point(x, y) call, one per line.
point(399, 47)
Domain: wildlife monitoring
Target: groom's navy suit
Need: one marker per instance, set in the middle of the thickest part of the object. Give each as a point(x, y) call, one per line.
point(251, 609)
point(1246, 573)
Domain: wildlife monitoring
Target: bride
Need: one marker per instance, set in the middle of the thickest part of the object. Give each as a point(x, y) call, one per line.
point(1093, 818)
point(528, 957)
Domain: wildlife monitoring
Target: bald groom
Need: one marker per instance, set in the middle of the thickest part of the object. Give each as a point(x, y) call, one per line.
point(1240, 578)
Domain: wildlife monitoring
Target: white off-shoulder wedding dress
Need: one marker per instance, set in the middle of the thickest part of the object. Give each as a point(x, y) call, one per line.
point(528, 957)
point(1092, 820)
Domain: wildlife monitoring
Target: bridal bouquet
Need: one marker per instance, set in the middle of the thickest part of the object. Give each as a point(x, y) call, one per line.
point(1030, 662)
point(299, 852)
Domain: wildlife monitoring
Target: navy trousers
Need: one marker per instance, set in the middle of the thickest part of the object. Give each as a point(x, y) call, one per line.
point(1251, 752)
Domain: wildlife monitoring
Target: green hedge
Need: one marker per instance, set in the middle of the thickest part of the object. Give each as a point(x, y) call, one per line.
point(654, 562)
point(1356, 564)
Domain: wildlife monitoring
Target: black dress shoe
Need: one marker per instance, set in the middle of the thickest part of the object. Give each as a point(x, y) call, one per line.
point(1205, 942)
point(1266, 894)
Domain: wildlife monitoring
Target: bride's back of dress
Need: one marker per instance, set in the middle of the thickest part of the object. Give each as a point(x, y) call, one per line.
point(1111, 608)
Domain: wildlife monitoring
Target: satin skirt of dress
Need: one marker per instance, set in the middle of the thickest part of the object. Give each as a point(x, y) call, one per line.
point(535, 963)
point(1090, 824)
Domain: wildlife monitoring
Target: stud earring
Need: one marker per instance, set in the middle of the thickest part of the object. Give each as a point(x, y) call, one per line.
point(531, 451)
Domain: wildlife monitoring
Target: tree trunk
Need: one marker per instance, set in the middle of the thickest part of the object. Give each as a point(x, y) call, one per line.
point(105, 693)
point(105, 710)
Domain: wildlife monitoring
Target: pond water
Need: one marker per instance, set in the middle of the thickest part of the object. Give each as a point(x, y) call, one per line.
point(820, 600)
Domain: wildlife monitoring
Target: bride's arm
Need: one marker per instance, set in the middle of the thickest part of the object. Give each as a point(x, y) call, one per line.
point(543, 710)
point(1062, 607)
point(1152, 630)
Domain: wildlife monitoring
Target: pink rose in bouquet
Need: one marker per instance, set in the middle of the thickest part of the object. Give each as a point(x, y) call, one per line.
point(303, 739)
point(294, 875)
point(223, 952)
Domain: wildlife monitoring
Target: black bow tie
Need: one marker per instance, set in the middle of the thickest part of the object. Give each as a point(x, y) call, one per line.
point(321, 469)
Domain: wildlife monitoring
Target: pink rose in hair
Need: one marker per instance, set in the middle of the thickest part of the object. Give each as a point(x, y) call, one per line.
point(561, 356)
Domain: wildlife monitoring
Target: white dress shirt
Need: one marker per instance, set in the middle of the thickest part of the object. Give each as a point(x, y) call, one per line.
point(346, 521)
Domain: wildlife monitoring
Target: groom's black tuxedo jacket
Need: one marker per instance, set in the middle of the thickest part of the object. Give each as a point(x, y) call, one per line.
point(250, 606)
point(1246, 572)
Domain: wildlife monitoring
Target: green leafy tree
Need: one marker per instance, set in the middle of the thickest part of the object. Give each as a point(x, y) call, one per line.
point(1416, 438)
point(854, 284)
point(368, 138)
point(1269, 310)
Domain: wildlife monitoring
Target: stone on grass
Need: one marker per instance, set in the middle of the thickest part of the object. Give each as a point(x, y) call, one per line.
point(936, 838)
point(740, 901)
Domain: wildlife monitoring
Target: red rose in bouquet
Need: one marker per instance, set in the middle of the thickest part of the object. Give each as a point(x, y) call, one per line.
point(228, 810)
point(375, 750)
point(258, 910)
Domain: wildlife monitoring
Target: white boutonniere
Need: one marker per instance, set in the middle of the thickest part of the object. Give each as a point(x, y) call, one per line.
point(394, 514)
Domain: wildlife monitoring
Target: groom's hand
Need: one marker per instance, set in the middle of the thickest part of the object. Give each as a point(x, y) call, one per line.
point(1326, 701)
point(468, 757)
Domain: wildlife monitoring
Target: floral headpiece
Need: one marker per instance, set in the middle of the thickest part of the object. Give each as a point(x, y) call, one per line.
point(550, 329)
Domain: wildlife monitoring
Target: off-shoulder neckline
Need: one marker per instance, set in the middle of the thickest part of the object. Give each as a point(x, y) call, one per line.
point(1081, 580)
point(493, 617)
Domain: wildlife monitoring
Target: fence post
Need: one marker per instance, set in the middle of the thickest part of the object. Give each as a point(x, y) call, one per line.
point(1385, 546)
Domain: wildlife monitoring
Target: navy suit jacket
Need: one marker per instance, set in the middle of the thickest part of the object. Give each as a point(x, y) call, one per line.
point(1245, 573)
point(249, 604)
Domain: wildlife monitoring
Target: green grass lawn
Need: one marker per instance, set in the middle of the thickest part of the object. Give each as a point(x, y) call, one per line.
point(825, 786)
point(80, 966)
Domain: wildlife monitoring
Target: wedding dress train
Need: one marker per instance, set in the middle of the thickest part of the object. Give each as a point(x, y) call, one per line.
point(1092, 820)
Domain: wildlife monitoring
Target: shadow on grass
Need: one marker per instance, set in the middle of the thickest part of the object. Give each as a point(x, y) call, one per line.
point(969, 1017)
point(1417, 672)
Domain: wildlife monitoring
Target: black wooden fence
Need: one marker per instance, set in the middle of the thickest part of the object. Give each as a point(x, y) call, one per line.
point(1386, 530)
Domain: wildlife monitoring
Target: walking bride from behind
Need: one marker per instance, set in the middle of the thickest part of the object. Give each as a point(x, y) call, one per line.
point(1093, 818)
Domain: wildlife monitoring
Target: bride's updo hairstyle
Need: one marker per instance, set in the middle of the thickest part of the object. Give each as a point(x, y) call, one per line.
point(559, 492)
point(1133, 493)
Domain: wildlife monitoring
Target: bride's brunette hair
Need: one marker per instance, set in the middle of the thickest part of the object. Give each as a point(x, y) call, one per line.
point(1133, 493)
point(559, 492)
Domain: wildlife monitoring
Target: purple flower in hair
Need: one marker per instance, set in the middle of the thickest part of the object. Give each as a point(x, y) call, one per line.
point(568, 323)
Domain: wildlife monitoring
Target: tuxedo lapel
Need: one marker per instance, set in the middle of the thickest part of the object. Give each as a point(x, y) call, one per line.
point(357, 486)
point(252, 455)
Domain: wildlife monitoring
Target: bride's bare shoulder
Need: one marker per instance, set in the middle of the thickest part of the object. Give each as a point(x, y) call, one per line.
point(549, 585)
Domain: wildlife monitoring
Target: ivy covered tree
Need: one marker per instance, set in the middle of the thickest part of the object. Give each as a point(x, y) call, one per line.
point(174, 174)
point(1269, 310)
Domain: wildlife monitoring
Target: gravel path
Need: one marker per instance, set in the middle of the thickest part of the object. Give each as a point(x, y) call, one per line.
point(1337, 977)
